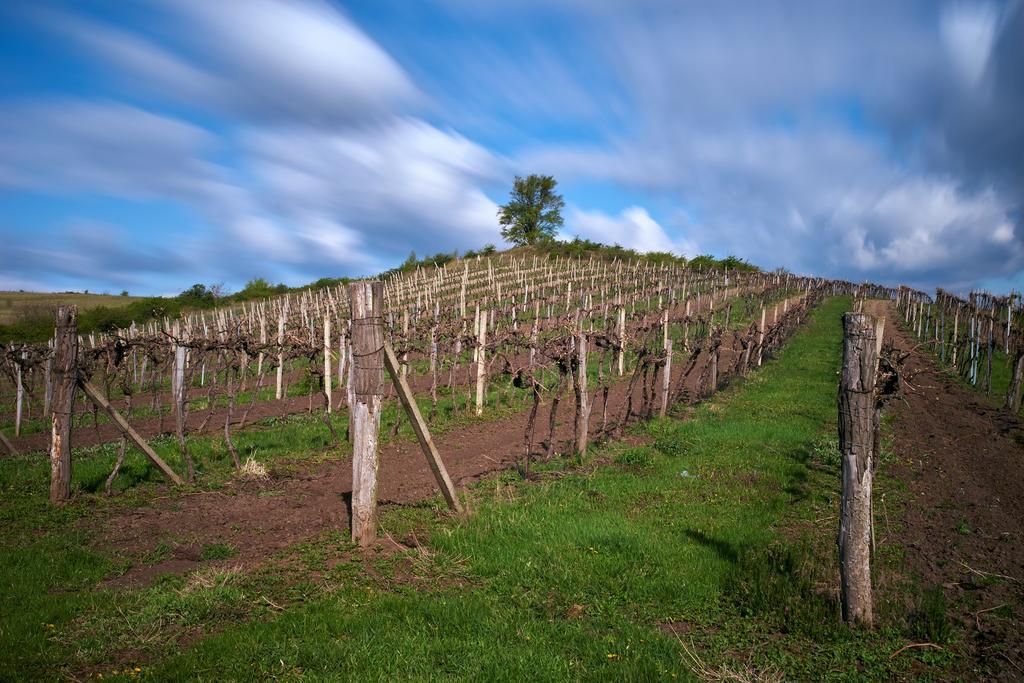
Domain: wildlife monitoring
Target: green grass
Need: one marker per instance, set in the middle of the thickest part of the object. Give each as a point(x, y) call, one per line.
point(709, 525)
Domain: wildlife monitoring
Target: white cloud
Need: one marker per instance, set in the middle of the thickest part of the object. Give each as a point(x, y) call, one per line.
point(632, 228)
point(968, 32)
point(399, 185)
point(72, 144)
point(274, 60)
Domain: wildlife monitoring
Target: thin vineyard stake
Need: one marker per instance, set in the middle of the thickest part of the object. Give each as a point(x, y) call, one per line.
point(97, 397)
point(327, 362)
point(180, 405)
point(666, 378)
point(419, 426)
point(760, 337)
point(19, 399)
point(365, 409)
point(622, 341)
point(48, 380)
point(582, 406)
point(481, 362)
point(279, 393)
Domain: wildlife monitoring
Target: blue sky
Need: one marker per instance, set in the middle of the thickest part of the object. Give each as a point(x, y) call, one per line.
point(149, 145)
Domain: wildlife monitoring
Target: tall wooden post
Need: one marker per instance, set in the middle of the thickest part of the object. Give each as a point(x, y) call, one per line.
point(65, 375)
point(367, 304)
point(856, 445)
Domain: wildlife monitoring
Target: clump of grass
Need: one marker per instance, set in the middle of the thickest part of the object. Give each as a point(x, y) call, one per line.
point(671, 445)
point(207, 579)
point(741, 674)
point(252, 470)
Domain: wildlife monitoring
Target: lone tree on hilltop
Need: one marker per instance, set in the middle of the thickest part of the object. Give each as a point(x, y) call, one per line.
point(534, 211)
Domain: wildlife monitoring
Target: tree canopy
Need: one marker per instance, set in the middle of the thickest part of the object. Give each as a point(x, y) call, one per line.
point(534, 210)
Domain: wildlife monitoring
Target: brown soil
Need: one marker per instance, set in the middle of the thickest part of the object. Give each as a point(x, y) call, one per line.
point(962, 466)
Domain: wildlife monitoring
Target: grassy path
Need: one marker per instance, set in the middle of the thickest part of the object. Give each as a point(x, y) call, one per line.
point(708, 547)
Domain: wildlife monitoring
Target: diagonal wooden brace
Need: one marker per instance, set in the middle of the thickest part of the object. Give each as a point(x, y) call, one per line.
point(100, 400)
point(420, 427)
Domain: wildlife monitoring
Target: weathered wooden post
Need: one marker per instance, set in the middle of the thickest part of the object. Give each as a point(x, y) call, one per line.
point(65, 375)
point(856, 445)
point(367, 304)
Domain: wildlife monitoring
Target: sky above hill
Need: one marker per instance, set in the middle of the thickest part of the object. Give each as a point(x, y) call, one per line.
point(149, 145)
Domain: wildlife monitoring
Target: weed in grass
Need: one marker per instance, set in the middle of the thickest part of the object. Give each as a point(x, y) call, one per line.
point(779, 584)
point(930, 621)
point(217, 551)
point(825, 451)
point(640, 457)
point(158, 554)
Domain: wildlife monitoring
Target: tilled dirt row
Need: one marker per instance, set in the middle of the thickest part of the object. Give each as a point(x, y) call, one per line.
point(962, 462)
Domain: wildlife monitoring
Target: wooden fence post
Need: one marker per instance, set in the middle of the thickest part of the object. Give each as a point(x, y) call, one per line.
point(367, 303)
point(65, 375)
point(856, 445)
